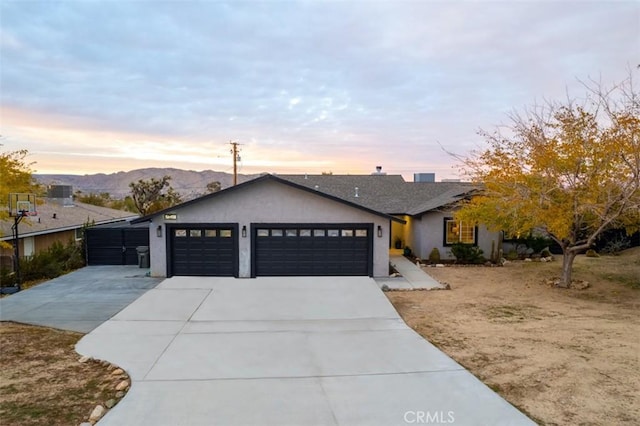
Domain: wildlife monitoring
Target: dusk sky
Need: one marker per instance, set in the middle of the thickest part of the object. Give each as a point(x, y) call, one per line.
point(304, 86)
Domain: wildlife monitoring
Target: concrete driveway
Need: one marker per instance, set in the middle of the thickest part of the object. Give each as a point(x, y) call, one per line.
point(283, 351)
point(78, 301)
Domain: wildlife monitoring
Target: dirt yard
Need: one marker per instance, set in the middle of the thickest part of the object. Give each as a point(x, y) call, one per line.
point(42, 381)
point(565, 357)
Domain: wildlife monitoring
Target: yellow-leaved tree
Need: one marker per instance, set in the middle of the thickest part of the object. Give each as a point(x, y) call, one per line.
point(16, 176)
point(568, 169)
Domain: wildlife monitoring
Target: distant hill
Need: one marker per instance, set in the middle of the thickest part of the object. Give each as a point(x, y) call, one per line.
point(187, 183)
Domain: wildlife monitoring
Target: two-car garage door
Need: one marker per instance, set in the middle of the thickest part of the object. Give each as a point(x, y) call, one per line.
point(312, 249)
point(276, 249)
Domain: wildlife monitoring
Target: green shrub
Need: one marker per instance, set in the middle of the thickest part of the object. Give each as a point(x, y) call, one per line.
point(467, 253)
point(512, 255)
point(53, 262)
point(434, 256)
point(537, 244)
point(545, 253)
point(531, 244)
point(615, 246)
point(6, 277)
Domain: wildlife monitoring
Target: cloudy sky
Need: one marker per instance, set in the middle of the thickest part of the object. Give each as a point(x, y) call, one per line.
point(304, 86)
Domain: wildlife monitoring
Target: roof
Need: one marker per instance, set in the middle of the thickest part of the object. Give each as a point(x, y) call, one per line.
point(276, 179)
point(66, 218)
point(389, 194)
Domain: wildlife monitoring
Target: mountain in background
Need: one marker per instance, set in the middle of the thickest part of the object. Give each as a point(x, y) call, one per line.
point(187, 183)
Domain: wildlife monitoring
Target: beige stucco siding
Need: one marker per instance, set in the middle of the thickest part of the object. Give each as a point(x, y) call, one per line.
point(41, 242)
point(268, 202)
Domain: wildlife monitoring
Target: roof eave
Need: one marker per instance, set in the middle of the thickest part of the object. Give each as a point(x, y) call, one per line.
point(63, 229)
point(150, 217)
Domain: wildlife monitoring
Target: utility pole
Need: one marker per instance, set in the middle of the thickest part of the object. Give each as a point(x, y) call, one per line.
point(236, 157)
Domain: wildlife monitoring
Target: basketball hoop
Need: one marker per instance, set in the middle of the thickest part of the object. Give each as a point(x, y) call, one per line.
point(22, 205)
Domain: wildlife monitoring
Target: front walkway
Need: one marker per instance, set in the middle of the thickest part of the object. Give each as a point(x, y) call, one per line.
point(283, 351)
point(414, 277)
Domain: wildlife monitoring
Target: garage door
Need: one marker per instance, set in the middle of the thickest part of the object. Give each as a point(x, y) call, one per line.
point(312, 249)
point(206, 250)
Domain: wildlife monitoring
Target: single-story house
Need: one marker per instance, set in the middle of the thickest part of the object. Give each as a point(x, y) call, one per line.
point(426, 209)
point(309, 225)
point(269, 226)
point(57, 220)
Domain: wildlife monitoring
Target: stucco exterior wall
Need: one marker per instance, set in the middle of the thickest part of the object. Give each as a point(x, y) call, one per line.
point(429, 230)
point(267, 202)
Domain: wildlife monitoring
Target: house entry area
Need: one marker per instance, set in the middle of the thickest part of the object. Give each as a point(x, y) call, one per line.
point(282, 249)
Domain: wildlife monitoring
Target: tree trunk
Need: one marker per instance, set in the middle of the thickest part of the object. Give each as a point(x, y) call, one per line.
point(568, 257)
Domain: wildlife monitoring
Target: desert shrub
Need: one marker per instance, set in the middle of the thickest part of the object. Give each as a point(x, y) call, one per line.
point(592, 253)
point(616, 246)
point(6, 277)
point(537, 244)
point(467, 253)
point(434, 256)
point(512, 255)
point(531, 244)
point(53, 262)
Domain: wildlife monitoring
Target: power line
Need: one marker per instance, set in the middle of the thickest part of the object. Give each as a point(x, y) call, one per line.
point(236, 156)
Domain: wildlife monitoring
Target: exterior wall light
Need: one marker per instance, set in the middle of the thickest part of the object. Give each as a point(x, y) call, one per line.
point(244, 231)
point(159, 231)
point(379, 231)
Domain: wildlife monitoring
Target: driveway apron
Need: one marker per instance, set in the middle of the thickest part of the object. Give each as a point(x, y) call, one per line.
point(283, 351)
point(78, 301)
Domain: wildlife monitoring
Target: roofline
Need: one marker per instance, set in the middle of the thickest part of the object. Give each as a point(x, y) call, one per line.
point(266, 177)
point(64, 228)
point(465, 194)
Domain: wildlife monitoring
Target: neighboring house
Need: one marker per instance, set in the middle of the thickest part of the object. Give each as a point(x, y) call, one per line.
point(426, 208)
point(58, 220)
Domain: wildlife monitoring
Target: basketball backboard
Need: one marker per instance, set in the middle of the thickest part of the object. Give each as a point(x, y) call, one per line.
point(22, 205)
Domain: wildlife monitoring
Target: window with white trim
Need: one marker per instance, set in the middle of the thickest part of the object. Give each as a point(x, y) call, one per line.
point(459, 232)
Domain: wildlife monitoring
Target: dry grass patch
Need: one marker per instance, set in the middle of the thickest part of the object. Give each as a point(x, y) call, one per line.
point(43, 383)
point(562, 356)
